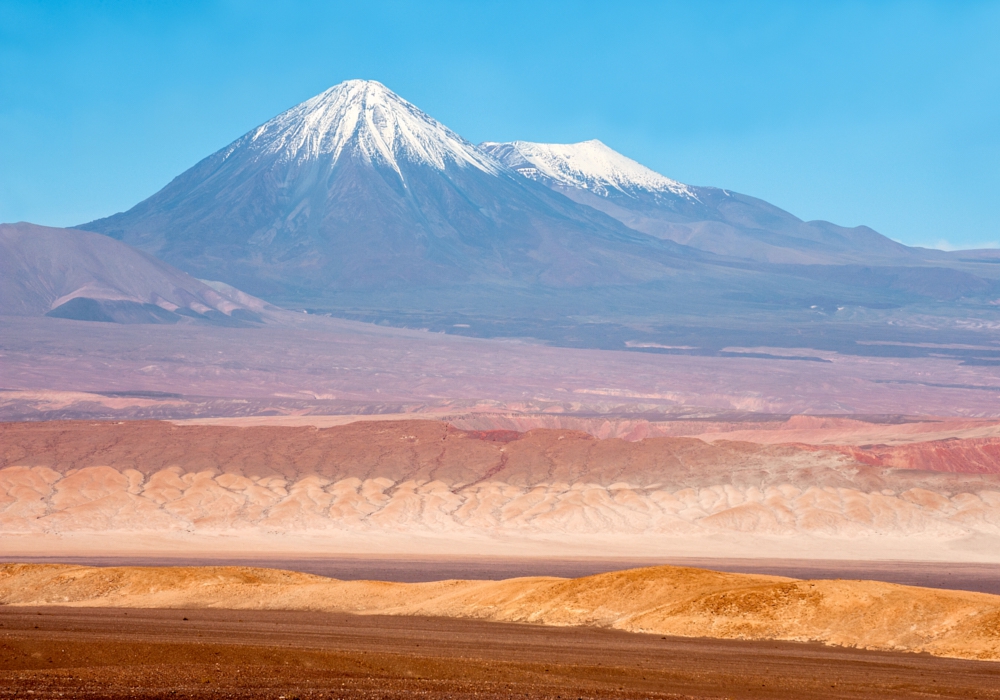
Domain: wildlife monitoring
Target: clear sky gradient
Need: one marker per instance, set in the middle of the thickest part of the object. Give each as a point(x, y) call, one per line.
point(878, 113)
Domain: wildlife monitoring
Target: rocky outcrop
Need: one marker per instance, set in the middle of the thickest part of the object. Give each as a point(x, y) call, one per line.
point(971, 456)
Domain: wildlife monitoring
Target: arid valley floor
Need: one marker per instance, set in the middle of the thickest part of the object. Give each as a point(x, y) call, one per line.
point(348, 455)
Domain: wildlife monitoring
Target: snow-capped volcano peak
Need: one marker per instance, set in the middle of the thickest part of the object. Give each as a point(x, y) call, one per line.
point(586, 165)
point(365, 119)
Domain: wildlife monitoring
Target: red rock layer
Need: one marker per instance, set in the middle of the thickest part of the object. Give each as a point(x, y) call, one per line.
point(969, 456)
point(396, 450)
point(433, 450)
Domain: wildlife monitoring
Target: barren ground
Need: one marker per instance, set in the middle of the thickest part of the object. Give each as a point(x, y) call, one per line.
point(976, 577)
point(328, 365)
point(119, 653)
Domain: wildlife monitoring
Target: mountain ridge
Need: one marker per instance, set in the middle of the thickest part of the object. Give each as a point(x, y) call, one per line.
point(85, 276)
point(709, 218)
point(586, 165)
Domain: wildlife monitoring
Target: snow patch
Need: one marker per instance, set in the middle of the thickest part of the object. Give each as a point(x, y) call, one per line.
point(588, 165)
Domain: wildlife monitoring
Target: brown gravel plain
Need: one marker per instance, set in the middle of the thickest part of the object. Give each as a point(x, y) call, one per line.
point(48, 652)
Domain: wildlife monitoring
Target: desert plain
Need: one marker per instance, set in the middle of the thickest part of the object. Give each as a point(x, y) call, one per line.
point(534, 547)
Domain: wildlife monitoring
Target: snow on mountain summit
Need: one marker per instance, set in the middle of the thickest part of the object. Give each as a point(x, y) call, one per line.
point(587, 165)
point(366, 119)
point(358, 190)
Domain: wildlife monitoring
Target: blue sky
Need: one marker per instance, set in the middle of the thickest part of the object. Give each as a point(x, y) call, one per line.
point(878, 113)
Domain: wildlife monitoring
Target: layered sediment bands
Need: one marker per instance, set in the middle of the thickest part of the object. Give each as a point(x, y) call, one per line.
point(38, 499)
point(428, 477)
point(972, 456)
point(809, 430)
point(660, 600)
point(423, 451)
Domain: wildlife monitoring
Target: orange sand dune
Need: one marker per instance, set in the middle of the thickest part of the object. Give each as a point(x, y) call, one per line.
point(660, 600)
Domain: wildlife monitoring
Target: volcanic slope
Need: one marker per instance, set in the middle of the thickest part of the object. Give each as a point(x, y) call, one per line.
point(358, 204)
point(88, 277)
point(660, 600)
point(707, 218)
point(357, 189)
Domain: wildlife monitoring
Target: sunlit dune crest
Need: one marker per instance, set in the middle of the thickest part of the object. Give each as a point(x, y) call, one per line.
point(660, 600)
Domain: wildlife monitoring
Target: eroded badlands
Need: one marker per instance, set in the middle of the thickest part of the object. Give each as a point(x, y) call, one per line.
point(403, 479)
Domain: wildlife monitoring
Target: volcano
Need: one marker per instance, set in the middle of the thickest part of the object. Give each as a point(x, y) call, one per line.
point(358, 189)
point(357, 204)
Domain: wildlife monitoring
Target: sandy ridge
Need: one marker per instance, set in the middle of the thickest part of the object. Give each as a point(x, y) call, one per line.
point(660, 600)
